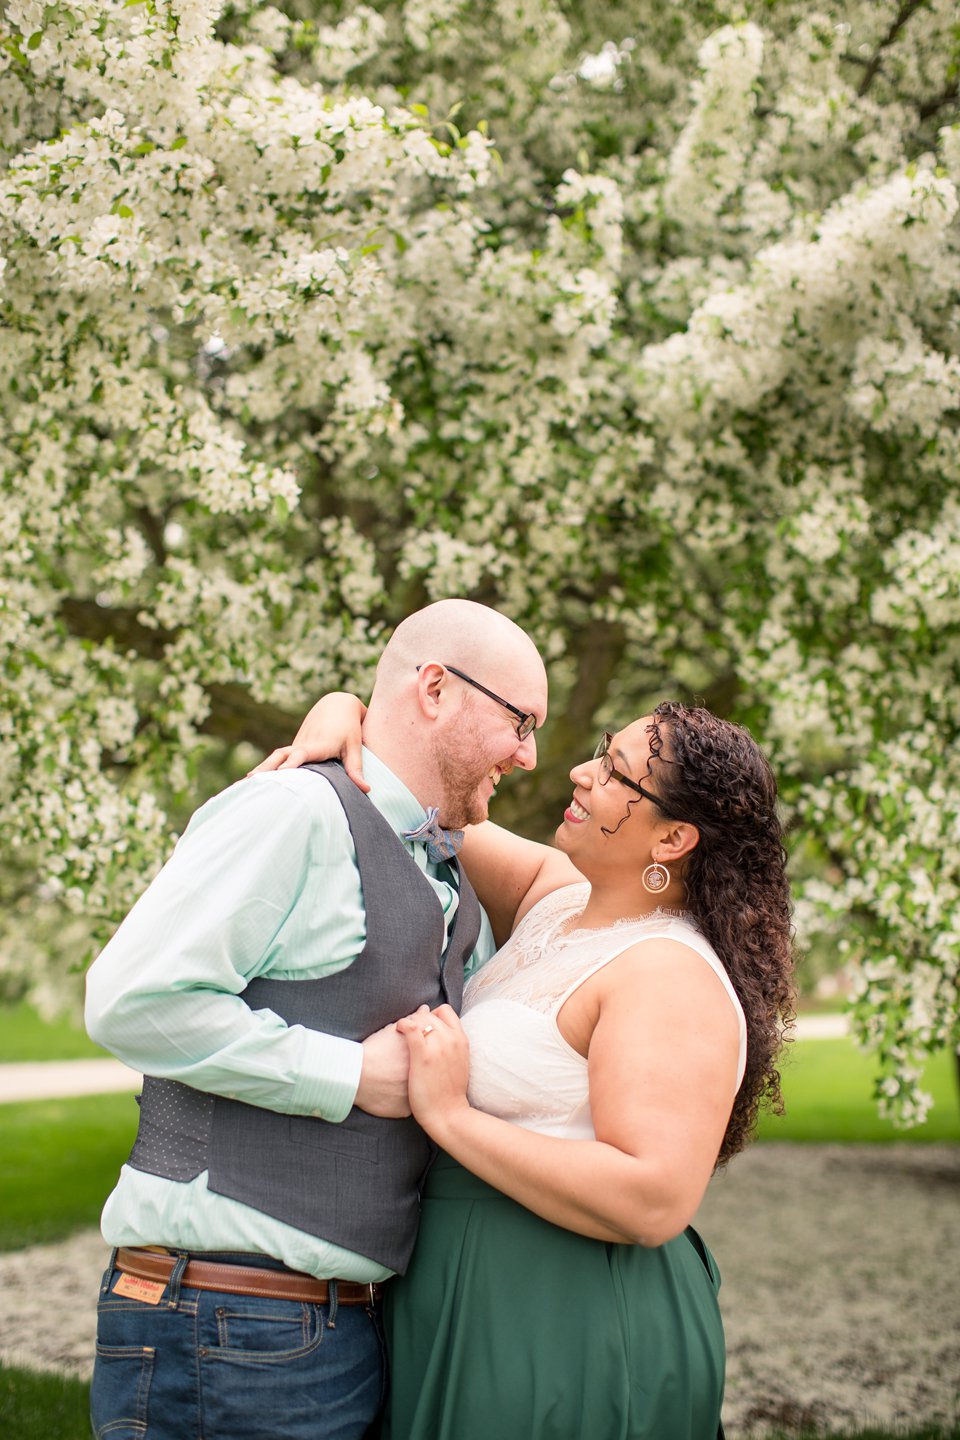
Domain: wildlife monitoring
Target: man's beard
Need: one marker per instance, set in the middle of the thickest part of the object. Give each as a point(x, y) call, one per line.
point(460, 779)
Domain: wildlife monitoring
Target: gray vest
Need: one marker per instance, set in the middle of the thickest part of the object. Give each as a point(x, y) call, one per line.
point(356, 1183)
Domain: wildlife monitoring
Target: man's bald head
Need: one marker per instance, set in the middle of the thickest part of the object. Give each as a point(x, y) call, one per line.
point(459, 631)
point(444, 737)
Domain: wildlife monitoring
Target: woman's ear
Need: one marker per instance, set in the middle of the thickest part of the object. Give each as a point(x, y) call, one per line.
point(678, 839)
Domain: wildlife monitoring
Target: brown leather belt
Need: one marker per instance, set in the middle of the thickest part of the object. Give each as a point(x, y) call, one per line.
point(157, 1264)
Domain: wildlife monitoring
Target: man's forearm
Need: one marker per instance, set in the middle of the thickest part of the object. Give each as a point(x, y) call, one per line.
point(216, 1043)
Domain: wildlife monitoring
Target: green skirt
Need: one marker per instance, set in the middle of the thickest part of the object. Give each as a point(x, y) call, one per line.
point(507, 1326)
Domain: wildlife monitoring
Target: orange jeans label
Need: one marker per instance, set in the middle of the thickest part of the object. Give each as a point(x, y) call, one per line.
point(149, 1291)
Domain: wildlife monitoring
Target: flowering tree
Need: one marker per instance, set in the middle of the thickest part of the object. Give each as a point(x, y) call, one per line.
point(671, 375)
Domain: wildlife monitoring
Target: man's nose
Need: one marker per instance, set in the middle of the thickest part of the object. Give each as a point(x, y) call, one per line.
point(525, 754)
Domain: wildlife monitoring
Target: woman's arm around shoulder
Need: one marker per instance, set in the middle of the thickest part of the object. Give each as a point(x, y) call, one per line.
point(510, 874)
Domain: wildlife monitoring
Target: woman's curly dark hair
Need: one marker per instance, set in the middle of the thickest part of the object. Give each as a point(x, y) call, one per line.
point(713, 774)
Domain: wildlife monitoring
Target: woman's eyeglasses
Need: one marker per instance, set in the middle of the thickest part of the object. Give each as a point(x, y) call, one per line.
point(607, 771)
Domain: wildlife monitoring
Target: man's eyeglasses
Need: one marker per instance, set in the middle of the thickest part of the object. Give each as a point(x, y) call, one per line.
point(607, 772)
point(526, 723)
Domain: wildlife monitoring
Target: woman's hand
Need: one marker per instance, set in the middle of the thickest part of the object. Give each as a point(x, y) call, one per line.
point(439, 1067)
point(330, 731)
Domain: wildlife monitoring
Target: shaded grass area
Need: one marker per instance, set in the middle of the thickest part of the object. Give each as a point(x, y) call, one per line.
point(828, 1094)
point(60, 1160)
point(43, 1407)
point(25, 1036)
point(50, 1407)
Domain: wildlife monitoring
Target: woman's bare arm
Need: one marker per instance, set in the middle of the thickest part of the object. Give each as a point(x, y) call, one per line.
point(511, 874)
point(330, 730)
point(662, 1072)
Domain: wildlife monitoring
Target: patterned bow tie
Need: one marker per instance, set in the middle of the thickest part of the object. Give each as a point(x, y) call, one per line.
point(441, 844)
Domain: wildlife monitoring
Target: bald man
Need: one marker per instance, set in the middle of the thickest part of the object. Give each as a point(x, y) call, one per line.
point(274, 1184)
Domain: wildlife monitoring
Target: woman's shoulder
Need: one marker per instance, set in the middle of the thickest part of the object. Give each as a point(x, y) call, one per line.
point(678, 935)
point(648, 934)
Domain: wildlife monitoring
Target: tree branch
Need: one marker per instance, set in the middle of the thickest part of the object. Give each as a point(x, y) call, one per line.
point(896, 25)
point(947, 96)
point(234, 714)
point(89, 621)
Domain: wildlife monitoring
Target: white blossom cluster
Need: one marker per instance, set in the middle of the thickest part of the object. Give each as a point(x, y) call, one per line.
point(642, 326)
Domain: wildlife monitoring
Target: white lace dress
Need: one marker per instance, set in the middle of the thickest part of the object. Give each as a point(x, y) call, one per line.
point(521, 1068)
point(508, 1326)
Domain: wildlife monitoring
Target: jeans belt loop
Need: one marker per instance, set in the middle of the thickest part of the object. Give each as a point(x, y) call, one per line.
point(176, 1276)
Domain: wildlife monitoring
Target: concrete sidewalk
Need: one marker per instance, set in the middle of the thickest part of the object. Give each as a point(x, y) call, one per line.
point(58, 1079)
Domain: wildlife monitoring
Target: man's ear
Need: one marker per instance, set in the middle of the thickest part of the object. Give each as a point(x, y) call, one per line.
point(431, 679)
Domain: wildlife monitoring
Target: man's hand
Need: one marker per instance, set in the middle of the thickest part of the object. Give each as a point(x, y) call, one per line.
point(383, 1078)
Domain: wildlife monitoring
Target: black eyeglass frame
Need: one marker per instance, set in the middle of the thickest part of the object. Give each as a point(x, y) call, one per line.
point(527, 720)
point(608, 772)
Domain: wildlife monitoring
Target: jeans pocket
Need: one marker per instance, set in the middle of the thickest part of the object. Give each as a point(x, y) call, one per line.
point(120, 1393)
point(264, 1385)
point(262, 1330)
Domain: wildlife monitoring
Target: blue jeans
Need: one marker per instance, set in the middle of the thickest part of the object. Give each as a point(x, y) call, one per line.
point(207, 1365)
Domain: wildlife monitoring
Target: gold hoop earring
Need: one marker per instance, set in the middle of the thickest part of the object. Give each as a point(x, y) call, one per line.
point(655, 878)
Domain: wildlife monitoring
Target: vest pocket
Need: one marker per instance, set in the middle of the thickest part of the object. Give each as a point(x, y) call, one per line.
point(336, 1139)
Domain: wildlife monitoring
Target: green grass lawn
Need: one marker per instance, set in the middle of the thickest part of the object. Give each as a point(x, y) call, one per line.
point(43, 1407)
point(60, 1159)
point(828, 1094)
point(24, 1036)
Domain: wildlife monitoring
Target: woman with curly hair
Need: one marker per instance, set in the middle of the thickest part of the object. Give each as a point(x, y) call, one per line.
point(609, 1057)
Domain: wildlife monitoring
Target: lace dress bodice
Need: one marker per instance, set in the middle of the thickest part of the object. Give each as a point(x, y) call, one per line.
point(521, 1068)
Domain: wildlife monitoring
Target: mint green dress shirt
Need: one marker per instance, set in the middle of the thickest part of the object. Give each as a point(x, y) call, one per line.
point(264, 881)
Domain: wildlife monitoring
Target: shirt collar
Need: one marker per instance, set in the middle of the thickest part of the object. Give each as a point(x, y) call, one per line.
point(399, 806)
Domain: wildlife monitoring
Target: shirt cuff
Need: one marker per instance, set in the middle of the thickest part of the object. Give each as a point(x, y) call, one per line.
point(329, 1074)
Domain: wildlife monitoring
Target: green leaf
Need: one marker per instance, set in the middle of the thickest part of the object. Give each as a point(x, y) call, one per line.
point(281, 509)
point(179, 143)
point(35, 39)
